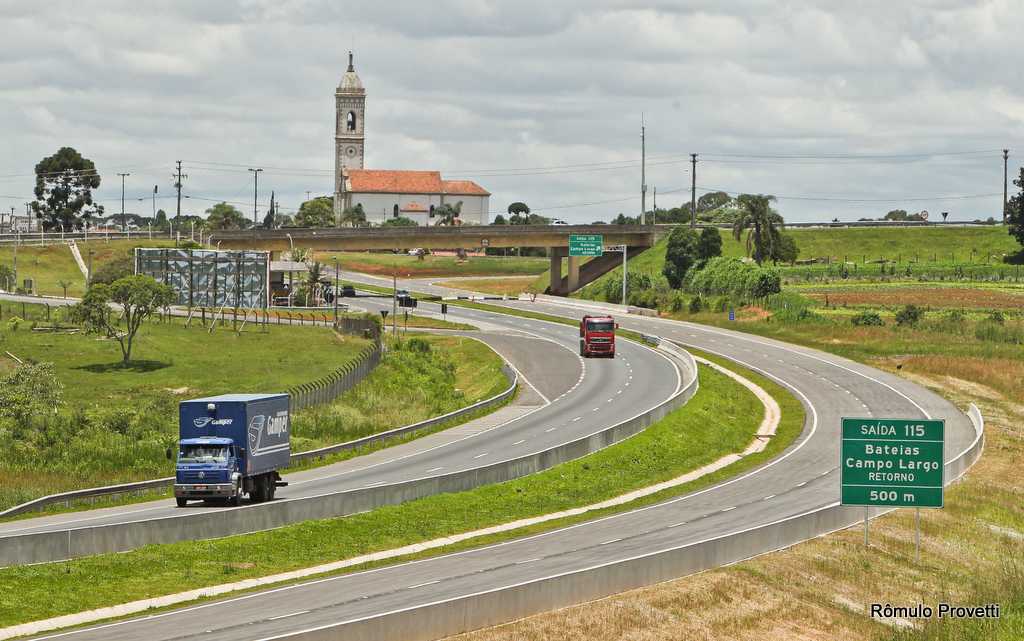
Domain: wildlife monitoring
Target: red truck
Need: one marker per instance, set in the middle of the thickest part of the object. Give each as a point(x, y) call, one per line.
point(597, 336)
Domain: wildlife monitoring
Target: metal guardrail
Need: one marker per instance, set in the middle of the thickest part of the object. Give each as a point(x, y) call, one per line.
point(341, 380)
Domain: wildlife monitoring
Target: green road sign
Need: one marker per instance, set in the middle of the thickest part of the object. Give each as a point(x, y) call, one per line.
point(586, 244)
point(892, 462)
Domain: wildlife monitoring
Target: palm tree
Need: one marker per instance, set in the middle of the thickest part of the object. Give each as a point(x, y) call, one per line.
point(449, 214)
point(761, 223)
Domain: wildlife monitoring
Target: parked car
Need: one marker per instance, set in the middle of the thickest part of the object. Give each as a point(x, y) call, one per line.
point(558, 221)
point(348, 291)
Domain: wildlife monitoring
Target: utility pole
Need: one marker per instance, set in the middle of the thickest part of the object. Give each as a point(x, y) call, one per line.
point(307, 194)
point(255, 195)
point(654, 207)
point(1006, 155)
point(124, 221)
point(16, 239)
point(693, 190)
point(155, 188)
point(643, 171)
point(394, 304)
point(177, 185)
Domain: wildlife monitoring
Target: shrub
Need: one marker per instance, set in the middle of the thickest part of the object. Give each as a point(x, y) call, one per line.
point(733, 277)
point(997, 317)
point(909, 315)
point(416, 345)
point(696, 305)
point(867, 319)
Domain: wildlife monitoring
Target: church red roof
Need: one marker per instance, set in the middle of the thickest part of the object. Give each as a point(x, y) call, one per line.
point(392, 181)
point(463, 188)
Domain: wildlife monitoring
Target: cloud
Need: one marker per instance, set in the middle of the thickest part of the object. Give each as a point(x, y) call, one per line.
point(472, 85)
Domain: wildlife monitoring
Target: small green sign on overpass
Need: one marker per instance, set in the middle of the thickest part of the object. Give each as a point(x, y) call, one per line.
point(892, 462)
point(586, 244)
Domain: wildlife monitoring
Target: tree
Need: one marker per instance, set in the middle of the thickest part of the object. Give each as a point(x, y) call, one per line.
point(499, 220)
point(318, 212)
point(64, 184)
point(138, 297)
point(401, 221)
point(784, 248)
point(680, 255)
point(448, 214)
point(64, 284)
point(710, 244)
point(1015, 210)
point(31, 390)
point(353, 216)
point(161, 222)
point(223, 216)
point(518, 213)
point(271, 217)
point(713, 200)
point(760, 221)
point(896, 214)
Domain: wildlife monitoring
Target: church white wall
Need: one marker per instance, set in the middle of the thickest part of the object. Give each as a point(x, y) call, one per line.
point(380, 207)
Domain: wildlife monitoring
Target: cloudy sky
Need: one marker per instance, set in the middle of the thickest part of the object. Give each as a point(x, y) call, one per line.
point(841, 109)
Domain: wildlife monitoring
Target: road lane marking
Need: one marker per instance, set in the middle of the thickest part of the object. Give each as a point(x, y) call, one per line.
point(481, 455)
point(420, 585)
point(434, 469)
point(375, 483)
point(770, 496)
point(801, 484)
point(550, 429)
point(520, 442)
point(612, 541)
point(729, 508)
point(285, 616)
point(527, 561)
point(678, 524)
point(576, 419)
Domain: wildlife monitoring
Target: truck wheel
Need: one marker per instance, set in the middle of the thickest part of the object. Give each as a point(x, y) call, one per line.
point(180, 501)
point(271, 489)
point(583, 350)
point(234, 501)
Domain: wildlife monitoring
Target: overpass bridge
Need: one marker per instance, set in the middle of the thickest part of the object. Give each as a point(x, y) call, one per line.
point(555, 238)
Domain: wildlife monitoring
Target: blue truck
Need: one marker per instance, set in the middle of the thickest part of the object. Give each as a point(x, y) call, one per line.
point(231, 445)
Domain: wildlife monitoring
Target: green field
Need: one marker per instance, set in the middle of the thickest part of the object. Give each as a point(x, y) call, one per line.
point(441, 266)
point(933, 253)
point(49, 265)
point(686, 439)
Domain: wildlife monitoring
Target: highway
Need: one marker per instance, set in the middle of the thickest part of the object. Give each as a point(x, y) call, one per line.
point(565, 398)
point(803, 478)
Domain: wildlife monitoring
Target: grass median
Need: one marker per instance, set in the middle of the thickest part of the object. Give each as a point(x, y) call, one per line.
point(721, 418)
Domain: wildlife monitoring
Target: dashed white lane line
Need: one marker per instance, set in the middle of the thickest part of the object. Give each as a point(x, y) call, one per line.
point(550, 429)
point(519, 442)
point(420, 585)
point(375, 483)
point(618, 392)
point(801, 484)
point(481, 454)
point(576, 419)
point(770, 496)
point(285, 616)
point(435, 469)
point(612, 541)
point(527, 561)
point(677, 524)
point(729, 508)
point(596, 409)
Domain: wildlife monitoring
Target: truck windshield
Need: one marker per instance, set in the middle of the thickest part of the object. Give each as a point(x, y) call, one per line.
point(203, 454)
point(600, 326)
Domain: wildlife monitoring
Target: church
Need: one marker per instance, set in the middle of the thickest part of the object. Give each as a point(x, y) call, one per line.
point(388, 193)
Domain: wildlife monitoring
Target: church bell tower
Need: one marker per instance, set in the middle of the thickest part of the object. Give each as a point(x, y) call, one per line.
point(349, 137)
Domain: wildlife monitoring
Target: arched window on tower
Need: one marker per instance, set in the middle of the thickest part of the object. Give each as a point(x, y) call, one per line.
point(350, 122)
point(395, 213)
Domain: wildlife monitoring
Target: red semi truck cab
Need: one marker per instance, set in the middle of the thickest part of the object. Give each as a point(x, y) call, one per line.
point(597, 336)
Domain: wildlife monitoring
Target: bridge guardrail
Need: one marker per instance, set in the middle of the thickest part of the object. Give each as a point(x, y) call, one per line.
point(59, 545)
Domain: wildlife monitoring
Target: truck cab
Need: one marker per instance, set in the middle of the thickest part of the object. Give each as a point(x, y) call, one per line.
point(208, 467)
point(597, 336)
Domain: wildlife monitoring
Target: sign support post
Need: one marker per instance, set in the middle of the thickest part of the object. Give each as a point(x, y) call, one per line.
point(917, 535)
point(865, 526)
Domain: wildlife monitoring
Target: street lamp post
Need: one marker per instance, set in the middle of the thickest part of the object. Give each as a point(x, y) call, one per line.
point(124, 221)
point(255, 194)
point(336, 291)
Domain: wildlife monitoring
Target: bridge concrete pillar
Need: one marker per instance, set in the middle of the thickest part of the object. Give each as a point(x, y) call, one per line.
point(555, 255)
point(574, 274)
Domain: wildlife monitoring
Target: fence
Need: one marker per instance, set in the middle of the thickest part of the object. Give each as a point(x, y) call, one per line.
point(334, 384)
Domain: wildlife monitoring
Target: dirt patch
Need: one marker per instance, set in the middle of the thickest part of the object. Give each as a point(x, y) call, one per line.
point(178, 391)
point(940, 297)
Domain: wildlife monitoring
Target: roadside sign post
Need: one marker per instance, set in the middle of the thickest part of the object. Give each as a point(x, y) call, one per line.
point(892, 463)
point(586, 244)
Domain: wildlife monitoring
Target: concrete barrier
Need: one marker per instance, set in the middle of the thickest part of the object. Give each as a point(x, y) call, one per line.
point(507, 603)
point(119, 537)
